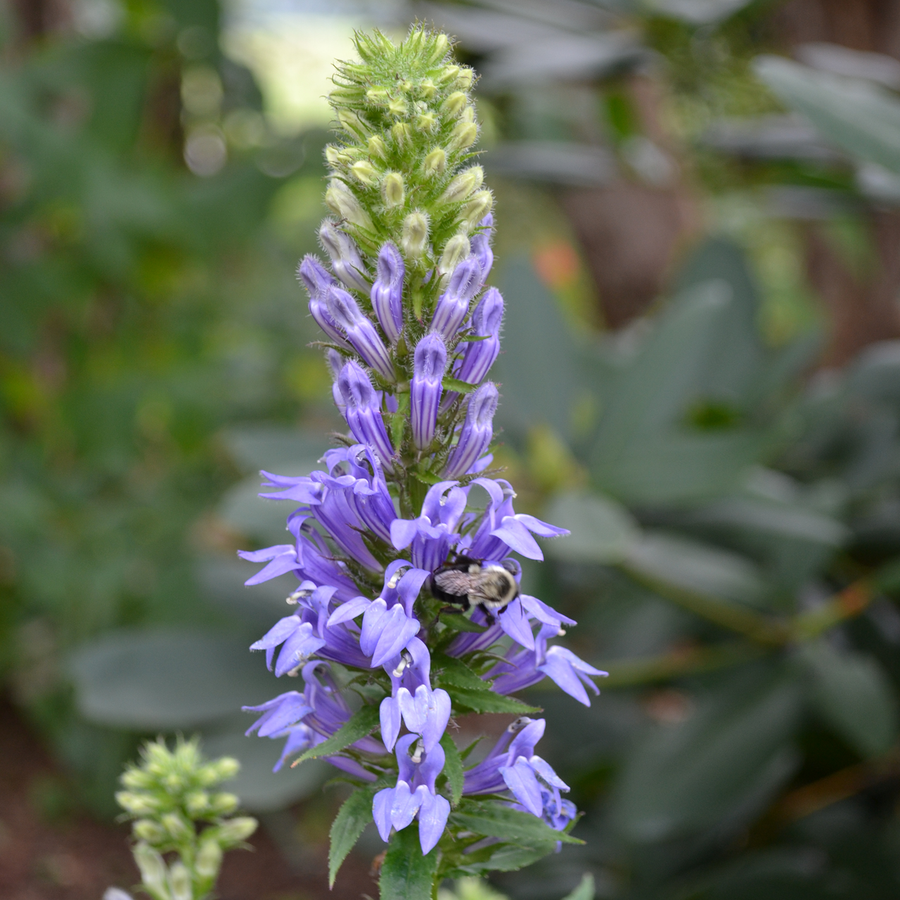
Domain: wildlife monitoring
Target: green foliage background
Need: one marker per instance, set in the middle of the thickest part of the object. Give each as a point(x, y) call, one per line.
point(735, 557)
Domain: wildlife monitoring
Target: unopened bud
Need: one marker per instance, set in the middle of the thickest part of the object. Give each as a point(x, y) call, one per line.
point(392, 189)
point(402, 134)
point(149, 831)
point(223, 804)
point(464, 134)
point(463, 185)
point(427, 88)
point(478, 207)
point(426, 122)
point(449, 74)
point(440, 47)
point(137, 779)
point(468, 114)
point(376, 147)
point(180, 882)
point(378, 96)
point(197, 803)
point(365, 172)
point(397, 107)
point(351, 122)
point(177, 826)
point(342, 201)
point(236, 830)
point(414, 236)
point(456, 250)
point(455, 103)
point(209, 859)
point(435, 162)
point(332, 156)
point(152, 867)
point(137, 804)
point(466, 78)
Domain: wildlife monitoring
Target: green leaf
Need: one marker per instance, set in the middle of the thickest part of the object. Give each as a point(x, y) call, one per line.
point(696, 12)
point(500, 858)
point(584, 891)
point(489, 702)
point(454, 384)
point(361, 723)
point(452, 672)
point(858, 116)
point(601, 529)
point(166, 679)
point(453, 769)
point(723, 761)
point(406, 874)
point(493, 819)
point(851, 693)
point(699, 568)
point(456, 621)
point(353, 816)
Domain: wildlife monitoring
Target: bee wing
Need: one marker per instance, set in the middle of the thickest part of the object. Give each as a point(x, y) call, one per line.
point(454, 582)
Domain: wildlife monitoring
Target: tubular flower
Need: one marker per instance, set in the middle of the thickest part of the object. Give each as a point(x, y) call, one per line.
point(385, 657)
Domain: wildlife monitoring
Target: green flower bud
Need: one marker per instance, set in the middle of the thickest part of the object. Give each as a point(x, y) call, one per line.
point(197, 803)
point(149, 831)
point(435, 162)
point(377, 147)
point(477, 208)
point(223, 769)
point(138, 804)
point(414, 236)
point(426, 122)
point(468, 114)
point(235, 830)
point(180, 882)
point(449, 74)
point(464, 134)
point(392, 189)
point(377, 96)
point(440, 47)
point(173, 782)
point(427, 88)
point(351, 94)
point(456, 250)
point(342, 201)
point(402, 134)
point(372, 47)
point(223, 804)
point(353, 123)
point(365, 172)
point(466, 78)
point(333, 156)
point(463, 185)
point(137, 779)
point(455, 103)
point(397, 107)
point(177, 827)
point(208, 860)
point(151, 865)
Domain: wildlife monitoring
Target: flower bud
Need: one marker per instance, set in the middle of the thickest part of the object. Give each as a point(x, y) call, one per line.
point(397, 107)
point(353, 123)
point(478, 207)
point(480, 355)
point(466, 78)
point(377, 96)
point(137, 804)
point(180, 882)
point(435, 162)
point(362, 412)
point(438, 49)
point(137, 779)
point(455, 251)
point(463, 185)
point(464, 134)
point(342, 201)
point(427, 88)
point(197, 804)
point(209, 859)
point(333, 156)
point(426, 122)
point(453, 305)
point(430, 364)
point(414, 236)
point(376, 147)
point(359, 330)
point(152, 867)
point(449, 74)
point(387, 291)
point(402, 134)
point(481, 245)
point(149, 831)
point(236, 830)
point(365, 172)
point(224, 803)
point(345, 258)
point(392, 189)
point(227, 767)
point(476, 432)
point(177, 827)
point(455, 103)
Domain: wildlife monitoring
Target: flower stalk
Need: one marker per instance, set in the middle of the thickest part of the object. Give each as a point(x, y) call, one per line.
point(411, 334)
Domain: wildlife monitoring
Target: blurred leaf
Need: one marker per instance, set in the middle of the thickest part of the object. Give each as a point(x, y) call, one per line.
point(555, 161)
point(284, 451)
point(842, 60)
point(406, 873)
point(584, 891)
point(147, 680)
point(861, 118)
point(350, 822)
point(261, 789)
point(602, 530)
point(852, 693)
point(696, 12)
point(495, 819)
point(719, 765)
point(262, 520)
point(222, 580)
point(697, 568)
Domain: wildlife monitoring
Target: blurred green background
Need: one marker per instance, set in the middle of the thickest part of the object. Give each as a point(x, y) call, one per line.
point(698, 209)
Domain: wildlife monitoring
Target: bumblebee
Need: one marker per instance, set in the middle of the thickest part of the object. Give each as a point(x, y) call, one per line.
point(469, 582)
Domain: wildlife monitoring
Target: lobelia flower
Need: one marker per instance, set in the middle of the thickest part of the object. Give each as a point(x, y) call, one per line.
point(382, 664)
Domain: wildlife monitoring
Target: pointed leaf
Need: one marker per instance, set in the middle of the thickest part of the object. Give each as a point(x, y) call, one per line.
point(489, 702)
point(352, 818)
point(453, 769)
point(494, 819)
point(363, 722)
point(406, 874)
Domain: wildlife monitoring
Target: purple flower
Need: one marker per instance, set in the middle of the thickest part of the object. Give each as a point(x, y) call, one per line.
point(453, 305)
point(481, 246)
point(430, 363)
point(480, 355)
point(415, 795)
point(432, 535)
point(476, 432)
point(359, 330)
point(317, 281)
point(345, 259)
point(387, 291)
point(362, 412)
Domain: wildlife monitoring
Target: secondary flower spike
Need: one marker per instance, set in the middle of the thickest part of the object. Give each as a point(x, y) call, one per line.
point(381, 664)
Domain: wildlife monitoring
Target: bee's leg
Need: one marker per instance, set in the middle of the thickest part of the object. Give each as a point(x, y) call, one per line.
point(491, 619)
